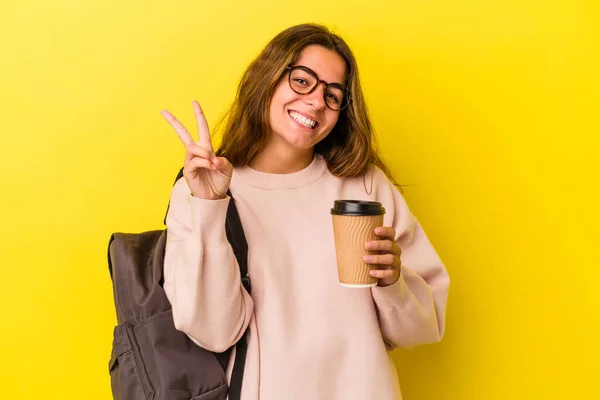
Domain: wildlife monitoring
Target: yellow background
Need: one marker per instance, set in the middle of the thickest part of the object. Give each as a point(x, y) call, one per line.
point(488, 109)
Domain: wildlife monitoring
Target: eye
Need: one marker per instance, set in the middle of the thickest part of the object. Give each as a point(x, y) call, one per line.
point(332, 97)
point(301, 81)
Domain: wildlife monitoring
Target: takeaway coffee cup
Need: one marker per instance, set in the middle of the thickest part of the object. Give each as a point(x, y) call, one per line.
point(354, 223)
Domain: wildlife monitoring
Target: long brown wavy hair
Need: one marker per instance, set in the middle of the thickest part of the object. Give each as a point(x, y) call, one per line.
point(350, 149)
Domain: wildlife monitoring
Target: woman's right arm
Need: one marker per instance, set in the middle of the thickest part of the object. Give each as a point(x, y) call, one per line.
point(202, 276)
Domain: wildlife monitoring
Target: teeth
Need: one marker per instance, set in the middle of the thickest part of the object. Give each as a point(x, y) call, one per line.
point(309, 123)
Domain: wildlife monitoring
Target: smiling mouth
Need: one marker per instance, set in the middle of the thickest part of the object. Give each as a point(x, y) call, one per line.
point(302, 120)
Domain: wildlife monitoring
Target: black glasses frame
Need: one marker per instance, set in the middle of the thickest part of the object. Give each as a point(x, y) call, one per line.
point(346, 99)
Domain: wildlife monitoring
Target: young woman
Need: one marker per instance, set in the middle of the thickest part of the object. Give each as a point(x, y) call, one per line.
point(298, 137)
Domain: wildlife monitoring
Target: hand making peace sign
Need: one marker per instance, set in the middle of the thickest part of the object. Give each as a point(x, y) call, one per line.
point(207, 176)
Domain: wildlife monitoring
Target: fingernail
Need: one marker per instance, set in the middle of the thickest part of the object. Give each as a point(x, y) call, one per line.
point(368, 245)
point(373, 273)
point(368, 258)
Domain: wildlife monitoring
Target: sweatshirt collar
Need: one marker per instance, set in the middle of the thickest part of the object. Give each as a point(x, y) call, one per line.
point(295, 180)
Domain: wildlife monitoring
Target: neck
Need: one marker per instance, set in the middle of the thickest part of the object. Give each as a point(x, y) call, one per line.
point(274, 160)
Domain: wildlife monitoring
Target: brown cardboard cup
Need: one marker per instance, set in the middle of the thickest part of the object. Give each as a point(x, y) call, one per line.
point(354, 223)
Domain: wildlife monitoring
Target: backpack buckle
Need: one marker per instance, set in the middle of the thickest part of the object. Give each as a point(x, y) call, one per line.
point(246, 283)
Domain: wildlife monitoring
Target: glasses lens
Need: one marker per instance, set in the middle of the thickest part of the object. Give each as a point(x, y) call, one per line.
point(334, 97)
point(302, 81)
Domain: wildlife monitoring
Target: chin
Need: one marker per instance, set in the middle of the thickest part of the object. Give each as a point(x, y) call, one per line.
point(302, 141)
point(300, 145)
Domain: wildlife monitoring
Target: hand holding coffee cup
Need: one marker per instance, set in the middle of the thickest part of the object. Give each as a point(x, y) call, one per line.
point(386, 261)
point(366, 252)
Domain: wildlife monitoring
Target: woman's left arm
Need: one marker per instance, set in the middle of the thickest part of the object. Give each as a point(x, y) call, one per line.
point(413, 283)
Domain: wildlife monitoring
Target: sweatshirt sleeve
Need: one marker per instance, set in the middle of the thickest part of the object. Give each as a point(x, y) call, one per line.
point(201, 274)
point(412, 310)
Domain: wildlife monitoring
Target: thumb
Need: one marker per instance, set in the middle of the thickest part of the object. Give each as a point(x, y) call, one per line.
point(223, 165)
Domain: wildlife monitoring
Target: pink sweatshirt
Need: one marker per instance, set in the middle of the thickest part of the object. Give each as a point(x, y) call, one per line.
point(310, 338)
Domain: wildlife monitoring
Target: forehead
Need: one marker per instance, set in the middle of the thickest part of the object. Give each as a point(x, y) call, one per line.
point(326, 63)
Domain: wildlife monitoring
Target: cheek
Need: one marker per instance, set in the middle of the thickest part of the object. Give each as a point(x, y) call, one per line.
point(281, 95)
point(332, 119)
point(277, 109)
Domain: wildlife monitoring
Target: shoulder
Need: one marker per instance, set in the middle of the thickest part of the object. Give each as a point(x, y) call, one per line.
point(373, 183)
point(382, 189)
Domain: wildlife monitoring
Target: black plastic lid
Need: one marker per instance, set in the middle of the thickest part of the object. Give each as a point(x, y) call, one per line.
point(357, 208)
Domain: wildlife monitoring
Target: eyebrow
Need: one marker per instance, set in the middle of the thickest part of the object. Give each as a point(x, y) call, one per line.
point(336, 83)
point(328, 82)
point(318, 76)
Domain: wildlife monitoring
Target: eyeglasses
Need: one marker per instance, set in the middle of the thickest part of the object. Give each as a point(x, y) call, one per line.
point(304, 80)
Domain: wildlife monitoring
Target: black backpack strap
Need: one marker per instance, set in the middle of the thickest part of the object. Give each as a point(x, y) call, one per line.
point(235, 235)
point(237, 375)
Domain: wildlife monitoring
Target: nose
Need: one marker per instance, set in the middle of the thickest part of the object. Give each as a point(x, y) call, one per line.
point(317, 97)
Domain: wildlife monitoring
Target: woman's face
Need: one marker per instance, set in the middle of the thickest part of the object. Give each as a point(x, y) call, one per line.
point(300, 121)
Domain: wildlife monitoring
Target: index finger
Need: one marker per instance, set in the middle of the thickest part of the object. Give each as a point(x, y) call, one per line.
point(203, 131)
point(386, 231)
point(183, 134)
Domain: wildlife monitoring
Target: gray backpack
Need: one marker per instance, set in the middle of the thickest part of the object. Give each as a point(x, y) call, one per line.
point(151, 360)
